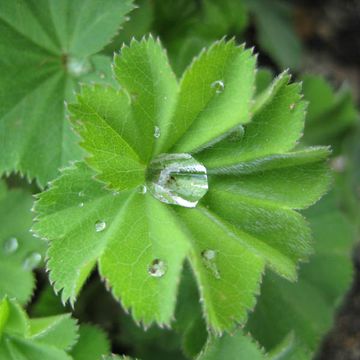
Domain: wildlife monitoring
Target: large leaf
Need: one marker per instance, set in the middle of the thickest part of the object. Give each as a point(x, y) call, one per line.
point(46, 48)
point(20, 252)
point(245, 221)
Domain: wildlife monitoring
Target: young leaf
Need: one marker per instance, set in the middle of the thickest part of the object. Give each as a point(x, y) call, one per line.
point(34, 339)
point(92, 344)
point(46, 48)
point(20, 252)
point(234, 347)
point(135, 234)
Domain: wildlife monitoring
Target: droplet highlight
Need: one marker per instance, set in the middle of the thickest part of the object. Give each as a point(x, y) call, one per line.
point(32, 261)
point(100, 225)
point(157, 132)
point(78, 67)
point(142, 189)
point(157, 268)
point(81, 205)
point(177, 179)
point(10, 245)
point(219, 86)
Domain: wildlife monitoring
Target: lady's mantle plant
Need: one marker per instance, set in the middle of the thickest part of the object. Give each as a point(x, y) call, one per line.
point(197, 169)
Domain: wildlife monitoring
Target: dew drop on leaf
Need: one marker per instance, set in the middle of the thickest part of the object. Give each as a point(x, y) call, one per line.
point(237, 134)
point(81, 193)
point(157, 268)
point(102, 75)
point(157, 132)
point(177, 179)
point(208, 254)
point(10, 245)
point(32, 261)
point(81, 205)
point(209, 257)
point(219, 86)
point(100, 225)
point(142, 189)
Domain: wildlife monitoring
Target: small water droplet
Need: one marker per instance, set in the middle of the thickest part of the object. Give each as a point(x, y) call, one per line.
point(292, 107)
point(177, 179)
point(237, 134)
point(102, 75)
point(219, 86)
point(142, 189)
point(157, 132)
point(116, 193)
point(339, 163)
point(81, 193)
point(157, 268)
point(100, 225)
point(10, 245)
point(81, 205)
point(208, 254)
point(32, 261)
point(209, 257)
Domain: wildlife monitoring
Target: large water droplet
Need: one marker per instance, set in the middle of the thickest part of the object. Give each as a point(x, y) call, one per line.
point(78, 67)
point(157, 132)
point(177, 179)
point(157, 268)
point(100, 225)
point(209, 257)
point(219, 86)
point(32, 261)
point(10, 245)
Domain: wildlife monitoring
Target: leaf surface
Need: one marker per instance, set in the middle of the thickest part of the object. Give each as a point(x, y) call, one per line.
point(46, 48)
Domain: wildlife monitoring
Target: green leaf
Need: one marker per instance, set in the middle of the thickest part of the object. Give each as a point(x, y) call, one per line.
point(330, 114)
point(59, 331)
point(232, 347)
point(307, 307)
point(20, 252)
point(92, 344)
point(96, 118)
point(244, 222)
point(46, 47)
point(34, 339)
point(275, 128)
point(214, 97)
point(143, 70)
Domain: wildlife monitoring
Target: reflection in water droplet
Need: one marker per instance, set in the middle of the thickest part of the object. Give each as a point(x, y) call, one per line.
point(219, 86)
point(81, 193)
point(142, 189)
point(157, 132)
point(177, 179)
point(100, 225)
point(81, 205)
point(32, 261)
point(157, 268)
point(209, 257)
point(10, 245)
